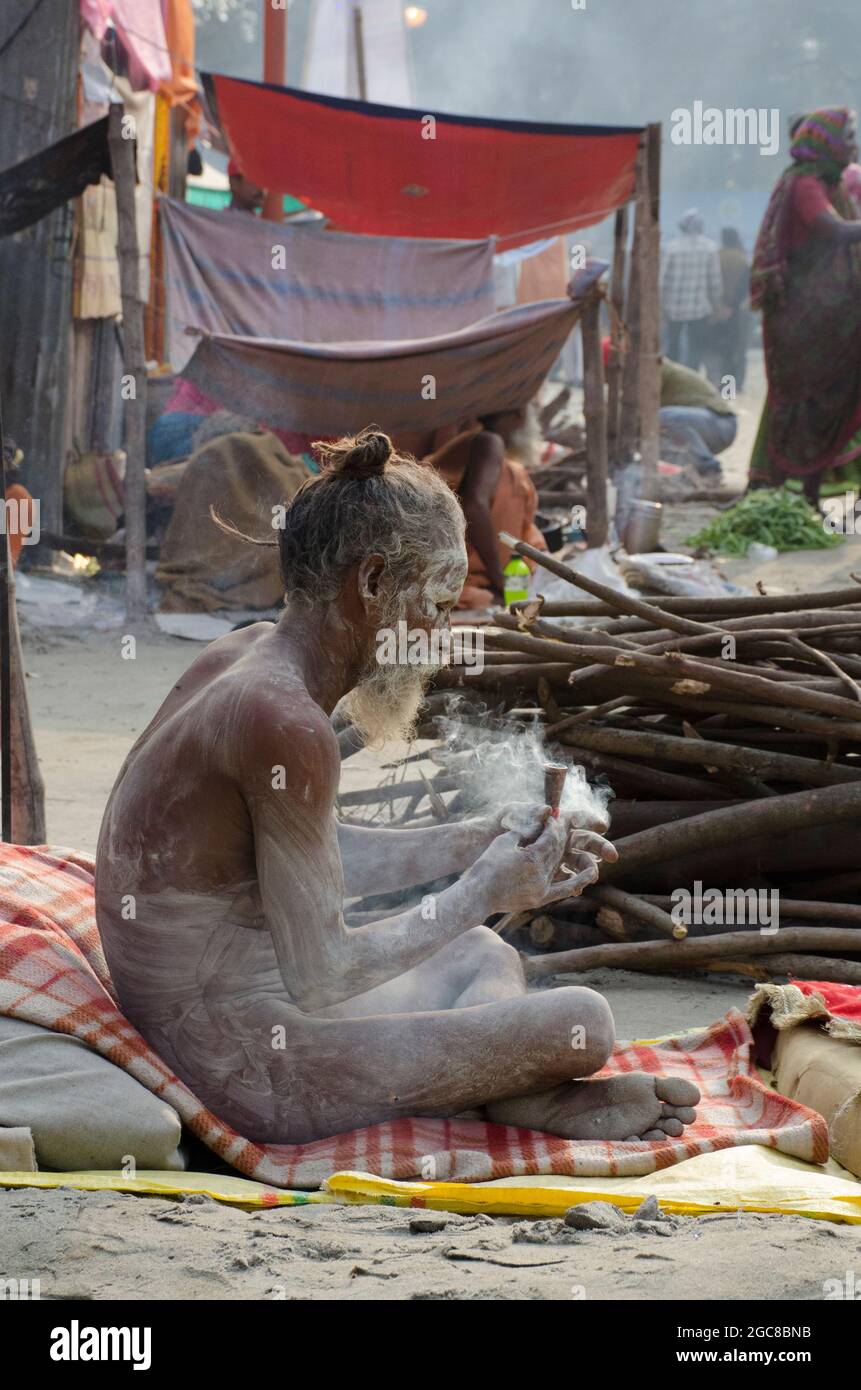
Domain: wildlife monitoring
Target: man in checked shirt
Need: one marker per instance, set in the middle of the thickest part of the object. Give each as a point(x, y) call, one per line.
point(691, 291)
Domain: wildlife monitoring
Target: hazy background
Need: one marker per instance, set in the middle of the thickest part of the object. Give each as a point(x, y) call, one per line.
point(615, 62)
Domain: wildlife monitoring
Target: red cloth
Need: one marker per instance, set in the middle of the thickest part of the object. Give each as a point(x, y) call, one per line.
point(53, 973)
point(373, 168)
point(809, 199)
point(844, 1001)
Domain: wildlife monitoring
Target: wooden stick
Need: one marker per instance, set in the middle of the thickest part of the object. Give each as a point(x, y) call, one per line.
point(624, 603)
point(731, 605)
point(641, 908)
point(671, 666)
point(121, 145)
point(675, 955)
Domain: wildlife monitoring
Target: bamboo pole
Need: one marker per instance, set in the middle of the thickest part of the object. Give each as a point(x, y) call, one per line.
point(121, 145)
point(649, 379)
point(629, 402)
point(595, 414)
point(617, 332)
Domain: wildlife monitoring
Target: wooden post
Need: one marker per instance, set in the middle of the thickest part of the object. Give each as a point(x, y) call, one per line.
point(5, 659)
point(614, 364)
point(274, 70)
point(649, 208)
point(595, 413)
point(28, 787)
point(359, 46)
point(121, 145)
point(21, 786)
point(628, 439)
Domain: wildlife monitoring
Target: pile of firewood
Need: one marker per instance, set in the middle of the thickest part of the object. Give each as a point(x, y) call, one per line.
point(730, 732)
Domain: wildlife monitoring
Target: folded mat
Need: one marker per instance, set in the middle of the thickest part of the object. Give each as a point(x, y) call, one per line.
point(750, 1178)
point(53, 972)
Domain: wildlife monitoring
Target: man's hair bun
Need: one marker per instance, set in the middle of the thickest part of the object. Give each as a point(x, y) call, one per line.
point(361, 456)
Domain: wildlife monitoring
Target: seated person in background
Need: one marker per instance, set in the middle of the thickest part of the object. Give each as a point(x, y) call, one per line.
point(496, 494)
point(695, 418)
point(245, 196)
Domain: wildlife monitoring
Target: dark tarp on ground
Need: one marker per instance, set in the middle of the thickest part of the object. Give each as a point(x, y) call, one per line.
point(33, 188)
point(338, 388)
point(371, 169)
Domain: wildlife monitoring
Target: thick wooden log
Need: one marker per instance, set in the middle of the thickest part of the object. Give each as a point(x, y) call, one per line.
point(682, 955)
point(784, 767)
point(771, 816)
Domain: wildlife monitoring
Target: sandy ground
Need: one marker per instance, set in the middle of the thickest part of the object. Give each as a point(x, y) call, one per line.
point(89, 702)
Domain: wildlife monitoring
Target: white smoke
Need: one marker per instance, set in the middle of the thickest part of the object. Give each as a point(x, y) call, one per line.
point(497, 761)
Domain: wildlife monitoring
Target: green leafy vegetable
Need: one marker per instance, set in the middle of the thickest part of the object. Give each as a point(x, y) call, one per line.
point(772, 516)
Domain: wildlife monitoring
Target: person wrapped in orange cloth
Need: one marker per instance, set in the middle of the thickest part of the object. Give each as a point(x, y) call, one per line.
point(496, 494)
point(18, 517)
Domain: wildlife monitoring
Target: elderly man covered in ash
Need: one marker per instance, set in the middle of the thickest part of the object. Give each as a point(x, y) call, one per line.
point(236, 964)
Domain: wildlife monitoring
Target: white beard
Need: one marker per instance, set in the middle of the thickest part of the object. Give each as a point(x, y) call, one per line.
point(385, 704)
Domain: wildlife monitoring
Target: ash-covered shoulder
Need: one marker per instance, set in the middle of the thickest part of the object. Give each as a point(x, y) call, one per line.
point(284, 728)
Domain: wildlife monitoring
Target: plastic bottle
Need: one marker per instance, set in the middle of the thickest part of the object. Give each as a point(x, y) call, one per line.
point(516, 580)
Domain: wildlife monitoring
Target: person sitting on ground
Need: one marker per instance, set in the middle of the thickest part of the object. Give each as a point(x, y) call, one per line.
point(221, 870)
point(695, 418)
point(496, 493)
point(245, 196)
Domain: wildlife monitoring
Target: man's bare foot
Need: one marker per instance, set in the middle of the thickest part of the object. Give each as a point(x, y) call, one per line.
point(633, 1107)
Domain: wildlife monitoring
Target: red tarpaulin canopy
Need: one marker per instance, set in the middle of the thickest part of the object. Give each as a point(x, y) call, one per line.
point(374, 169)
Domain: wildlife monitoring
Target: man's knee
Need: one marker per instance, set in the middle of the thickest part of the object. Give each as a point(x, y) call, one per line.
point(487, 949)
point(593, 1031)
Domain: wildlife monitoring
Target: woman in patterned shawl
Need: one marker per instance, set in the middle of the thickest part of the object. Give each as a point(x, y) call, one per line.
point(806, 278)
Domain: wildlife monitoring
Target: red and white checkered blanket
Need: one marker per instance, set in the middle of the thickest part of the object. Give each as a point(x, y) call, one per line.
point(53, 972)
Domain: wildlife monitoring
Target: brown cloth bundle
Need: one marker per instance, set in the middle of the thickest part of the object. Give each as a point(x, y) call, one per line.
point(243, 476)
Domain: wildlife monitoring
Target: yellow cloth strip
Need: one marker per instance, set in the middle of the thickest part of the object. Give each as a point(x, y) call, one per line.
point(241, 1192)
point(750, 1178)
